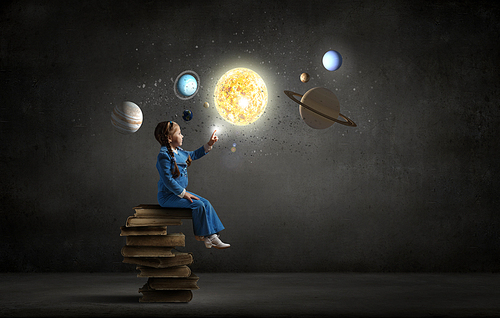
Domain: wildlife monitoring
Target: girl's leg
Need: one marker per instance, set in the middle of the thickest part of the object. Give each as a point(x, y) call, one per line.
point(205, 219)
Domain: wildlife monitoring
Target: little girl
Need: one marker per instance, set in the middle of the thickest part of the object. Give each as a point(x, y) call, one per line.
point(172, 163)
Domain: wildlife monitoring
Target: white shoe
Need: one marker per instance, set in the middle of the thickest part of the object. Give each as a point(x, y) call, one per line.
point(214, 240)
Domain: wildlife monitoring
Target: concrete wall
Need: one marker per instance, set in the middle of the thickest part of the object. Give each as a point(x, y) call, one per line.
point(414, 187)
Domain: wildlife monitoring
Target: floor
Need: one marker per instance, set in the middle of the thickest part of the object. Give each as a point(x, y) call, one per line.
point(255, 295)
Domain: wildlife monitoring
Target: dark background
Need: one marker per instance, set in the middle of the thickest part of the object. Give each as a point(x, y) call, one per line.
point(412, 188)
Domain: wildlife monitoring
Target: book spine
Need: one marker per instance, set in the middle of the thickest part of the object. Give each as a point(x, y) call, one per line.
point(172, 283)
point(143, 230)
point(176, 239)
point(161, 262)
point(149, 251)
point(151, 221)
point(170, 272)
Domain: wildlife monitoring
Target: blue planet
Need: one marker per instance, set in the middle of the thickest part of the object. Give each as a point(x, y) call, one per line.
point(187, 115)
point(332, 60)
point(187, 85)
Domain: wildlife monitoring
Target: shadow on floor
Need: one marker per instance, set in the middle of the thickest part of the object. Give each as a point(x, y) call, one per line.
point(105, 299)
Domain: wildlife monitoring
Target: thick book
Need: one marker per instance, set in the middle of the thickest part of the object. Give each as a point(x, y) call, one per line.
point(152, 221)
point(173, 240)
point(147, 251)
point(177, 259)
point(164, 296)
point(143, 230)
point(160, 283)
point(155, 210)
point(169, 272)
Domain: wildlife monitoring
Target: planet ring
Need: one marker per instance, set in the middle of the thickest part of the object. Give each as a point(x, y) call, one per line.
point(348, 122)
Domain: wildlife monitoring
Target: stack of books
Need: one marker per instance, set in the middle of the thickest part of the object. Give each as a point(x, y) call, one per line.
point(152, 250)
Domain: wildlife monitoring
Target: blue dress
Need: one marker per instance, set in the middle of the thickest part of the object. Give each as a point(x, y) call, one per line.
point(205, 219)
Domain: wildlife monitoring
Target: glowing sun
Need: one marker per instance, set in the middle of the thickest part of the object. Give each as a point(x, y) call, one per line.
point(240, 96)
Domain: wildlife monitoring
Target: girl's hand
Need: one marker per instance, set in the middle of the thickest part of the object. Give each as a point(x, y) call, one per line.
point(213, 139)
point(190, 197)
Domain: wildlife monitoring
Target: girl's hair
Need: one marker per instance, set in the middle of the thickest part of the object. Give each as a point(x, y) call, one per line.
point(163, 130)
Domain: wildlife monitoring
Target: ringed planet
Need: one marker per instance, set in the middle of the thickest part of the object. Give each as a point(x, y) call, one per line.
point(186, 85)
point(240, 96)
point(319, 108)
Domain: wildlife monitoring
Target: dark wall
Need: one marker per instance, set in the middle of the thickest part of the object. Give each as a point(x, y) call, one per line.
point(414, 187)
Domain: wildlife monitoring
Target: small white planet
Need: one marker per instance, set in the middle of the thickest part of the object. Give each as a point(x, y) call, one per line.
point(127, 117)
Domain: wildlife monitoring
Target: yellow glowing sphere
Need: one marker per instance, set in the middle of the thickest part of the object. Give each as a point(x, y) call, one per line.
point(240, 96)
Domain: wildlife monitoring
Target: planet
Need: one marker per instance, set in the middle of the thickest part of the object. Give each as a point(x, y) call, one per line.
point(126, 117)
point(304, 77)
point(206, 105)
point(332, 60)
point(319, 108)
point(186, 85)
point(240, 96)
point(187, 115)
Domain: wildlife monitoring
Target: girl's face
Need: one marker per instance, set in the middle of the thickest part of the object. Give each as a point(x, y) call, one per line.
point(176, 138)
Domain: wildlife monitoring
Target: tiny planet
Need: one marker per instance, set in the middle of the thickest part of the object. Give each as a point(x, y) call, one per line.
point(186, 85)
point(332, 60)
point(304, 77)
point(206, 105)
point(187, 115)
point(126, 117)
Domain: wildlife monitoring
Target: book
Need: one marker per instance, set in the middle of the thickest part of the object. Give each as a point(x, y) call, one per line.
point(172, 272)
point(174, 239)
point(143, 230)
point(152, 221)
point(147, 251)
point(167, 296)
point(177, 259)
point(155, 210)
point(152, 249)
point(160, 283)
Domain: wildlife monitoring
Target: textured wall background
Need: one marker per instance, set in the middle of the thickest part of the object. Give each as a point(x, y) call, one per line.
point(414, 187)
